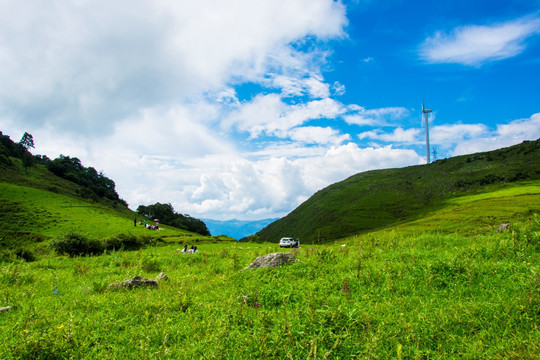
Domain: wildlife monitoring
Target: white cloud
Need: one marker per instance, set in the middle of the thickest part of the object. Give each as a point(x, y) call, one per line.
point(314, 86)
point(318, 135)
point(360, 116)
point(268, 114)
point(409, 136)
point(505, 135)
point(455, 133)
point(338, 88)
point(521, 129)
point(476, 44)
point(83, 65)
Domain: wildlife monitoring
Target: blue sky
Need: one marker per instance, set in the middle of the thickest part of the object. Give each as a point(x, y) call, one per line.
point(243, 109)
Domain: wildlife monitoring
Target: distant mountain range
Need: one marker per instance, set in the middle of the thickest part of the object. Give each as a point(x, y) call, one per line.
point(237, 229)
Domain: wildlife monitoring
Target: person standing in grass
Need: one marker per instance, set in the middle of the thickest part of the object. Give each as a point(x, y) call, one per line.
point(135, 221)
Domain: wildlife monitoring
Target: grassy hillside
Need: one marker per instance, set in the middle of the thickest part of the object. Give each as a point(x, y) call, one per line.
point(475, 214)
point(377, 199)
point(39, 206)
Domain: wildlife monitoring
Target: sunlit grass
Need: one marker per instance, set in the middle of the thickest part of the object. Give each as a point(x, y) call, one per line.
point(51, 214)
point(383, 296)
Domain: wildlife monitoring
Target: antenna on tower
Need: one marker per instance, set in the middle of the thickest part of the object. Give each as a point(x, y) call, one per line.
point(425, 112)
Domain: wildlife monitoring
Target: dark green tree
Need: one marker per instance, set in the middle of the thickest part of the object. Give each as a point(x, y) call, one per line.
point(166, 215)
point(27, 141)
point(27, 161)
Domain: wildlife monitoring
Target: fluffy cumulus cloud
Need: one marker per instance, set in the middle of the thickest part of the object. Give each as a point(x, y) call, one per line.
point(455, 133)
point(382, 116)
point(399, 135)
point(318, 135)
point(270, 115)
point(85, 64)
point(476, 44)
point(504, 135)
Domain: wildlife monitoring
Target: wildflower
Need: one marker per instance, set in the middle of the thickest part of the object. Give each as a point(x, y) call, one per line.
point(60, 327)
point(256, 305)
point(56, 292)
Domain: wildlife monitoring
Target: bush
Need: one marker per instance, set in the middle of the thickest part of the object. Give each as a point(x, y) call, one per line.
point(150, 264)
point(26, 255)
point(76, 244)
point(123, 241)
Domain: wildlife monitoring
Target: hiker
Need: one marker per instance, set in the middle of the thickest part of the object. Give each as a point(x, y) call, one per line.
point(135, 222)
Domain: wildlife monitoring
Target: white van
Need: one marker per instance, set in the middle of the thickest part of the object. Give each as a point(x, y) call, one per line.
point(289, 242)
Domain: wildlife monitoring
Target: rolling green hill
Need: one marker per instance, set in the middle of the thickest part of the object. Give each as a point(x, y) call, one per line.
point(464, 193)
point(37, 206)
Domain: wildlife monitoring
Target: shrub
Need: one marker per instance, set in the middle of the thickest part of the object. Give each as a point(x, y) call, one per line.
point(123, 241)
point(150, 264)
point(26, 255)
point(75, 244)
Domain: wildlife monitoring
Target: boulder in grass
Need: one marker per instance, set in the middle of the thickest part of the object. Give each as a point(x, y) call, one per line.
point(273, 260)
point(133, 283)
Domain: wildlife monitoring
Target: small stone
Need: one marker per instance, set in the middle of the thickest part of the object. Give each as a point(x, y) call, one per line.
point(162, 276)
point(5, 308)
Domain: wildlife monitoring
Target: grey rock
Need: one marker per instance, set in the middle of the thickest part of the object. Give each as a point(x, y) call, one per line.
point(162, 276)
point(133, 283)
point(273, 260)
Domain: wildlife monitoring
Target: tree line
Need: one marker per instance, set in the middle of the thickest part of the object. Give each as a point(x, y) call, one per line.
point(166, 215)
point(69, 168)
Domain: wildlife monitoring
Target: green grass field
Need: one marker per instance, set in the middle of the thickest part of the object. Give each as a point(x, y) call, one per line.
point(389, 296)
point(479, 213)
point(51, 214)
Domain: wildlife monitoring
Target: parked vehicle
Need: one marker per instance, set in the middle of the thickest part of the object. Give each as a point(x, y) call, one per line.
point(289, 242)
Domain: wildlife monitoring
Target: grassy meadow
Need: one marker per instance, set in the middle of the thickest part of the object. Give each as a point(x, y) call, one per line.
point(32, 217)
point(479, 213)
point(376, 296)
